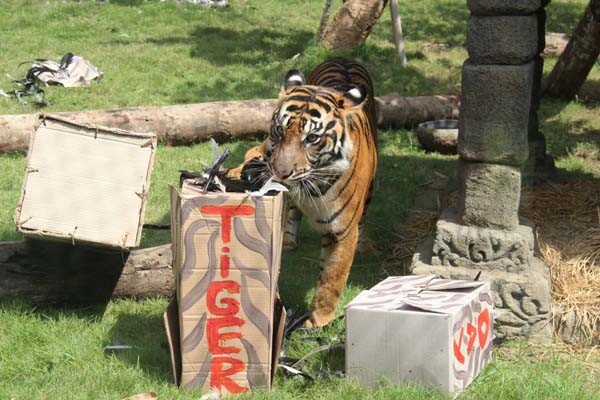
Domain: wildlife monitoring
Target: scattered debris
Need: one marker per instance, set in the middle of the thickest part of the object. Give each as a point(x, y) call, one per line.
point(117, 347)
point(143, 396)
point(208, 3)
point(269, 186)
point(212, 395)
point(73, 71)
point(254, 182)
point(435, 47)
point(294, 319)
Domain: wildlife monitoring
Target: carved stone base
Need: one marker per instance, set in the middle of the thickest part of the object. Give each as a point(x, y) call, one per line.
point(522, 299)
point(458, 245)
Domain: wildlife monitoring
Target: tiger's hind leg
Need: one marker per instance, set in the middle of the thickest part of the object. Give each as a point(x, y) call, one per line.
point(290, 235)
point(365, 245)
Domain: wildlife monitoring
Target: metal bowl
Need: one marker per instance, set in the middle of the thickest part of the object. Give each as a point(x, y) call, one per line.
point(440, 136)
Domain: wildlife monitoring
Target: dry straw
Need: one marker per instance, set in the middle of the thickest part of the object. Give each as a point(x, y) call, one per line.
point(567, 216)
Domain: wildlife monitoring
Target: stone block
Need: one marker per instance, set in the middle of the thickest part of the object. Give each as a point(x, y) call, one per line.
point(489, 195)
point(502, 39)
point(523, 299)
point(494, 115)
point(458, 245)
point(504, 7)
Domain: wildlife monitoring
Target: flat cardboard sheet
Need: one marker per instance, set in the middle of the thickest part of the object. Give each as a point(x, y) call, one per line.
point(226, 251)
point(86, 184)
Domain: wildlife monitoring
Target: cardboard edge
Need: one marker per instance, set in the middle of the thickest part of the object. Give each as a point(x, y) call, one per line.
point(59, 237)
point(146, 191)
point(279, 316)
point(171, 323)
point(450, 378)
point(121, 132)
point(17, 212)
point(175, 204)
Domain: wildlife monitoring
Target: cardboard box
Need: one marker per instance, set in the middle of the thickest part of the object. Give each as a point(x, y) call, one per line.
point(420, 329)
point(225, 325)
point(85, 184)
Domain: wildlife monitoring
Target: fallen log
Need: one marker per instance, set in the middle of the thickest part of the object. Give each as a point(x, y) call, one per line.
point(225, 120)
point(49, 273)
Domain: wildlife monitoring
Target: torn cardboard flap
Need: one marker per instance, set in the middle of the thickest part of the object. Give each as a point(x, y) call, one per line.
point(226, 258)
point(424, 292)
point(85, 184)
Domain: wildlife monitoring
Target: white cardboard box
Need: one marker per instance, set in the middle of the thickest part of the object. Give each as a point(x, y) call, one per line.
point(420, 329)
point(85, 184)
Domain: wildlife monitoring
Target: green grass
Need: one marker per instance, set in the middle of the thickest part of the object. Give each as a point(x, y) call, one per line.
point(155, 53)
point(51, 354)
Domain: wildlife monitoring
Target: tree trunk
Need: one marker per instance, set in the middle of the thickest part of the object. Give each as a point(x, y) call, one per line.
point(352, 24)
point(324, 20)
point(42, 272)
point(395, 111)
point(397, 28)
point(193, 123)
point(578, 58)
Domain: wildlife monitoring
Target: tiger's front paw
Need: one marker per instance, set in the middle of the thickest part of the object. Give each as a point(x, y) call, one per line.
point(317, 320)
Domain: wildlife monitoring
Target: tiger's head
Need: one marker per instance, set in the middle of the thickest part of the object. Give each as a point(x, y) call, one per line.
point(310, 135)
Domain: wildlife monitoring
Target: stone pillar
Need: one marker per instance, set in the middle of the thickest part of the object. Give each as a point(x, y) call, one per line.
point(499, 96)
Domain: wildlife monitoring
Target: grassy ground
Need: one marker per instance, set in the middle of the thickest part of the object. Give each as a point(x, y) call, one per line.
point(163, 53)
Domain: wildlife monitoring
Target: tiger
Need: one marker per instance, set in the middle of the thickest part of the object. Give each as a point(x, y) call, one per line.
point(322, 145)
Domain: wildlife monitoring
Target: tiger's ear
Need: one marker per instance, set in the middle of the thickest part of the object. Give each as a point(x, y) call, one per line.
point(292, 78)
point(353, 97)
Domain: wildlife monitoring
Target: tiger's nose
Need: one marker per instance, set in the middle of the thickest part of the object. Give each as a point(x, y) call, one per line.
point(281, 172)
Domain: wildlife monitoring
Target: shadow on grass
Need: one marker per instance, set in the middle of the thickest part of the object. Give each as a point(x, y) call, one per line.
point(563, 136)
point(128, 3)
point(146, 336)
point(442, 21)
point(563, 17)
point(59, 274)
point(271, 54)
point(20, 305)
point(232, 50)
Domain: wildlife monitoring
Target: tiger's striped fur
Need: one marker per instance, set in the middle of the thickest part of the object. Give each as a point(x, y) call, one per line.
point(323, 146)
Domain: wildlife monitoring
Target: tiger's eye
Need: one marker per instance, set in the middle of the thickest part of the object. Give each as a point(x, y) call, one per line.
point(312, 138)
point(278, 132)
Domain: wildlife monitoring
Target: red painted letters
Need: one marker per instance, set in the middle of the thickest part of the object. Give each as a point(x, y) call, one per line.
point(226, 213)
point(224, 366)
point(480, 332)
point(456, 347)
point(219, 376)
point(483, 327)
point(232, 306)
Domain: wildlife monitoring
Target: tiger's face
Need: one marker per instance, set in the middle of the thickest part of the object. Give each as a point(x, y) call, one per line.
point(309, 138)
